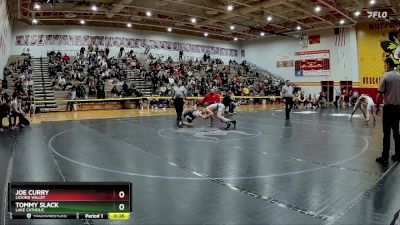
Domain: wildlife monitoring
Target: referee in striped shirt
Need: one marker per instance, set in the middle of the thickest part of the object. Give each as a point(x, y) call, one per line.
point(287, 94)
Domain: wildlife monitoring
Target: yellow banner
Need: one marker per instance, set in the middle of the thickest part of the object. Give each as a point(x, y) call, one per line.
point(370, 54)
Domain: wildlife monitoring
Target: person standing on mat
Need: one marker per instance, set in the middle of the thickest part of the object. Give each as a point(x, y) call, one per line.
point(389, 90)
point(287, 94)
point(179, 95)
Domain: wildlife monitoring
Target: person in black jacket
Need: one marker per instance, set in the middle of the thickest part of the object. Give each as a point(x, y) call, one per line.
point(4, 84)
point(180, 55)
point(5, 112)
point(107, 51)
point(82, 51)
point(229, 103)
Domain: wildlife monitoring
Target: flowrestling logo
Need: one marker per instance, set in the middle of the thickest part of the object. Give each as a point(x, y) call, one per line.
point(377, 14)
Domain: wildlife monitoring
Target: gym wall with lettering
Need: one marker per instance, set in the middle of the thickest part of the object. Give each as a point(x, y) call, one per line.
point(370, 53)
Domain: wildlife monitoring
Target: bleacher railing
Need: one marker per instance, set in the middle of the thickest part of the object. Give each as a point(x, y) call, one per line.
point(63, 52)
point(89, 100)
point(264, 72)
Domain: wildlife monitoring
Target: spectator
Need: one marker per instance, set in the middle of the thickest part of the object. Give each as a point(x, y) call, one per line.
point(16, 111)
point(322, 99)
point(5, 105)
point(66, 58)
point(302, 100)
point(82, 51)
point(4, 84)
point(180, 56)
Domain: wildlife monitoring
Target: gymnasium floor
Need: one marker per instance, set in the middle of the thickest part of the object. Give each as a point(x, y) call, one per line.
point(317, 168)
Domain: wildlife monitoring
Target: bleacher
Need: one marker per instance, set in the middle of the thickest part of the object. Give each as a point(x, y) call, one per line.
point(49, 99)
point(42, 85)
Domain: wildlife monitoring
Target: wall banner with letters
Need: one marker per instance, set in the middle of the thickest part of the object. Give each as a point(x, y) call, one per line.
point(370, 54)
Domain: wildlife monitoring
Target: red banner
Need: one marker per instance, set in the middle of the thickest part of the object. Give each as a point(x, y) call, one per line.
point(314, 39)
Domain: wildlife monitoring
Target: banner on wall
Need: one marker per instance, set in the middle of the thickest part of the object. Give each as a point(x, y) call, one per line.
point(314, 39)
point(312, 63)
point(285, 61)
point(370, 53)
point(85, 40)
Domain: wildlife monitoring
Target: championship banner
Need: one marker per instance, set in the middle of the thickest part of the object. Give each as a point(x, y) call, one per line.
point(314, 39)
point(370, 54)
point(312, 63)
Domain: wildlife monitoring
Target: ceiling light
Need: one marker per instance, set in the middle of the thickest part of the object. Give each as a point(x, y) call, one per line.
point(269, 18)
point(36, 6)
point(193, 20)
point(169, 29)
point(342, 22)
point(298, 28)
point(317, 8)
point(235, 39)
point(229, 7)
point(129, 25)
point(357, 13)
point(206, 34)
point(34, 21)
point(232, 27)
point(82, 22)
point(372, 2)
point(262, 34)
point(94, 8)
point(148, 13)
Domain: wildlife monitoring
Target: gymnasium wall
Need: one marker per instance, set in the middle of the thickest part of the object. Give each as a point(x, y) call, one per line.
point(370, 53)
point(343, 60)
point(22, 29)
point(5, 36)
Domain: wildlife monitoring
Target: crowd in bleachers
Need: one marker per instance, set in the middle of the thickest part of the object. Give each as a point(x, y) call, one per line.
point(20, 102)
point(89, 72)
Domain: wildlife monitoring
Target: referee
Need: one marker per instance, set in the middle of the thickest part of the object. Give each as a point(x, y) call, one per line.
point(287, 94)
point(179, 94)
point(389, 90)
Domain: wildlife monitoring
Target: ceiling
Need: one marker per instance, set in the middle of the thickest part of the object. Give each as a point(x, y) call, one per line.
point(249, 17)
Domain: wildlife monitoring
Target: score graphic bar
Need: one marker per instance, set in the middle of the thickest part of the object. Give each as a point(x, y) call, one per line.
point(70, 200)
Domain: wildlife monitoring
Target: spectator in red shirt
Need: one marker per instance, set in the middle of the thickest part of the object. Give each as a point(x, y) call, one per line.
point(66, 58)
point(210, 98)
point(176, 73)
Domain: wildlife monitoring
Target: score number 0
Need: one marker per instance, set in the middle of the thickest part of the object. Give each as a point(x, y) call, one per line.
point(121, 207)
point(121, 195)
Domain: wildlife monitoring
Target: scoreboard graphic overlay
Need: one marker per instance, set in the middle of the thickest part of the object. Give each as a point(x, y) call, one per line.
point(80, 200)
point(312, 63)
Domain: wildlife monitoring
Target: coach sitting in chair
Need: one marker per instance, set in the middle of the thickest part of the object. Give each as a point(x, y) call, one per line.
point(322, 99)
